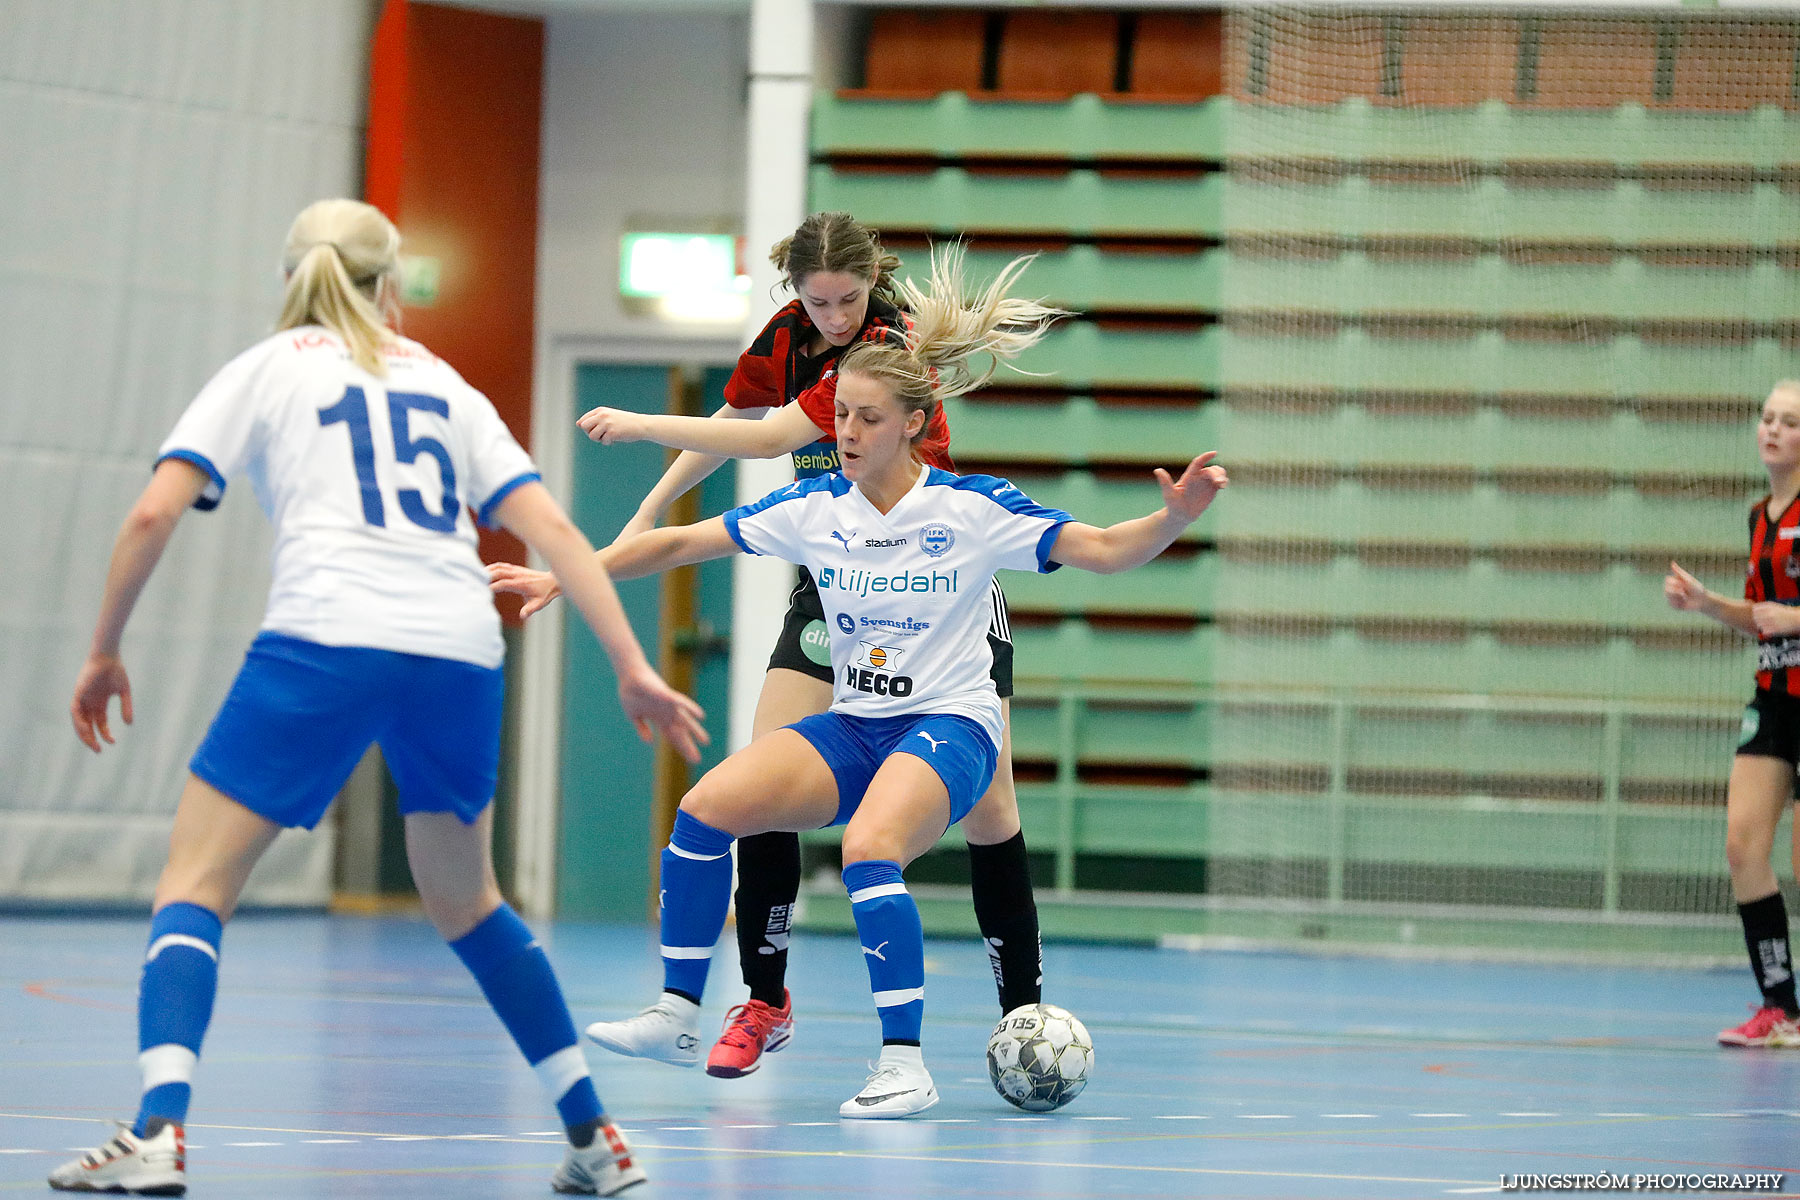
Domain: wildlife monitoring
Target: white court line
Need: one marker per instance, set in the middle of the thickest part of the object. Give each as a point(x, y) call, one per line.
point(27, 1151)
point(681, 1128)
point(1735, 1114)
point(1018, 1118)
point(402, 1137)
point(473, 1137)
point(807, 1124)
point(329, 1141)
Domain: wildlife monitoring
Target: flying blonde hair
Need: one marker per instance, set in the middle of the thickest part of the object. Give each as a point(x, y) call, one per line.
point(949, 333)
point(338, 254)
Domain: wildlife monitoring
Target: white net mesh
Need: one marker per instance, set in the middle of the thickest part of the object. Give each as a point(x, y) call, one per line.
point(1501, 298)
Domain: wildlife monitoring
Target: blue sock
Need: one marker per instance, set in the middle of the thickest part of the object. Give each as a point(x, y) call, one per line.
point(893, 943)
point(175, 1002)
point(515, 976)
point(696, 890)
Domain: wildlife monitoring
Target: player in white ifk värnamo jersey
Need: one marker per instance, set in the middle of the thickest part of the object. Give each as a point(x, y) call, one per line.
point(365, 451)
point(904, 555)
point(907, 593)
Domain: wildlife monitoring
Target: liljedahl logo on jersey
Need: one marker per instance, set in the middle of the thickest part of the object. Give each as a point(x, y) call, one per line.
point(860, 582)
point(936, 539)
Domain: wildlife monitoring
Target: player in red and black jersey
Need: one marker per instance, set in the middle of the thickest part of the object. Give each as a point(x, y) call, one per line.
point(845, 294)
point(1763, 774)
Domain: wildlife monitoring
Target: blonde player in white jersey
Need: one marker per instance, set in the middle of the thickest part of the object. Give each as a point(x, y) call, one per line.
point(366, 452)
point(904, 555)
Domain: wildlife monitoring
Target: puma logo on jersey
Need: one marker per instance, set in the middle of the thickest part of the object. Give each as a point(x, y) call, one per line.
point(846, 540)
point(876, 952)
point(935, 743)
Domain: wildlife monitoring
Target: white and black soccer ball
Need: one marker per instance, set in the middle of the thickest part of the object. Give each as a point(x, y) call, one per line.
point(1039, 1057)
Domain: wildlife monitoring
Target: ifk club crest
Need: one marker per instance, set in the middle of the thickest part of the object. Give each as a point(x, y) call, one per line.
point(936, 539)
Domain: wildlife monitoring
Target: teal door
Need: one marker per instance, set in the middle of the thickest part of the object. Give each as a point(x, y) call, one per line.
point(605, 852)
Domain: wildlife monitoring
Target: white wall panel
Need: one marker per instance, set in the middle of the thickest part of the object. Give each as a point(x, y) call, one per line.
point(152, 154)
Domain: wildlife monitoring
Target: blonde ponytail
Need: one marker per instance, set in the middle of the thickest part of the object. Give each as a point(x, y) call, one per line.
point(338, 255)
point(949, 333)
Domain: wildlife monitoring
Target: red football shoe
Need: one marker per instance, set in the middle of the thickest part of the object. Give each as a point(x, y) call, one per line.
point(751, 1031)
point(1769, 1026)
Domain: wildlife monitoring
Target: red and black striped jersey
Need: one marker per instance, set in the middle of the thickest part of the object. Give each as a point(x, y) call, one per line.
point(776, 370)
point(1774, 574)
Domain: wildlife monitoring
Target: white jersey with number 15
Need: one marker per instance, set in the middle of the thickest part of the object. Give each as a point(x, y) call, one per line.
point(367, 481)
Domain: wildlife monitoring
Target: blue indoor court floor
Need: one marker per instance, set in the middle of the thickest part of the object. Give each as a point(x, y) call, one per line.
point(352, 1057)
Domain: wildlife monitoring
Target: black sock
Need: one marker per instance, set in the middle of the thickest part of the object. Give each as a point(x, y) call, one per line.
point(1766, 937)
point(768, 885)
point(1000, 878)
point(582, 1136)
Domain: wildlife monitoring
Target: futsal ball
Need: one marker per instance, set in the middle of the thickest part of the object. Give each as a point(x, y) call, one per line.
point(1039, 1057)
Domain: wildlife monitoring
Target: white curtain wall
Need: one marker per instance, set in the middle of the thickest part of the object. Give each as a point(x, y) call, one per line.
point(152, 153)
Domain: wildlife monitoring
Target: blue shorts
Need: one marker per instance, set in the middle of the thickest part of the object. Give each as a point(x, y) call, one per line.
point(959, 750)
point(300, 715)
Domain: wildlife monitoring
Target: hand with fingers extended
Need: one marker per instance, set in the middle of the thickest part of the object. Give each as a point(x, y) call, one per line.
point(653, 707)
point(612, 426)
point(538, 587)
point(1683, 591)
point(102, 677)
point(1186, 498)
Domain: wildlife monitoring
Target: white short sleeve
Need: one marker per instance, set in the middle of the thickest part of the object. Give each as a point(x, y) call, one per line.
point(497, 463)
point(774, 524)
point(1019, 531)
point(220, 429)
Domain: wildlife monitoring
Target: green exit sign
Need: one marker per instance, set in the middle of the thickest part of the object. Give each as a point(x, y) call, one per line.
point(658, 265)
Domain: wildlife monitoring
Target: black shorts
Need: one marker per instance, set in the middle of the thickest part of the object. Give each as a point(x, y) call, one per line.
point(1771, 727)
point(805, 642)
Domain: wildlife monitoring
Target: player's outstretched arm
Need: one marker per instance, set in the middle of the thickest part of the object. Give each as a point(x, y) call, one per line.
point(1133, 543)
point(650, 703)
point(171, 492)
point(781, 432)
point(633, 557)
point(1688, 594)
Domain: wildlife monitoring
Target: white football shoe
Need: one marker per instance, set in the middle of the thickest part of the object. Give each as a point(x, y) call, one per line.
point(668, 1031)
point(144, 1166)
point(604, 1167)
point(898, 1087)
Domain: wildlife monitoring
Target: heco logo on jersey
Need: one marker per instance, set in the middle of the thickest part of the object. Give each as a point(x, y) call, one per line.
point(865, 583)
point(868, 671)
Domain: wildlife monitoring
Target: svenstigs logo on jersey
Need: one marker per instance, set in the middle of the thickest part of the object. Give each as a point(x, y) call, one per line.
point(859, 582)
point(935, 539)
point(868, 671)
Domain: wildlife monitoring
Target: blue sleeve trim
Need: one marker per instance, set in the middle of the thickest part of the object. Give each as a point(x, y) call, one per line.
point(1047, 543)
point(731, 527)
point(1001, 492)
point(485, 514)
point(214, 492)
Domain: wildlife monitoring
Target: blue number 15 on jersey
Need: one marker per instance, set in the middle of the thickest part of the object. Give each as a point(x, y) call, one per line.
point(353, 411)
